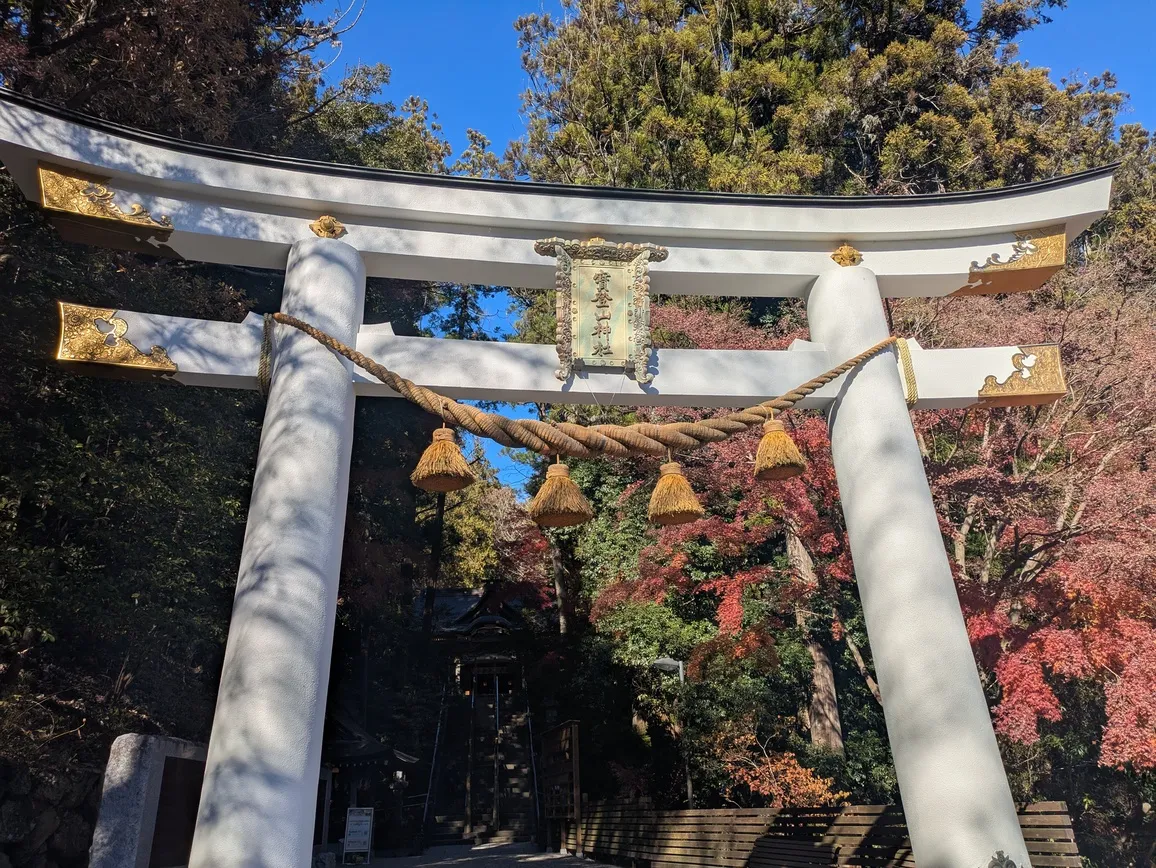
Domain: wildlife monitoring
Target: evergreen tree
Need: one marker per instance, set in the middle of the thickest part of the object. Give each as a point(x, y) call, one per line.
point(122, 505)
point(819, 96)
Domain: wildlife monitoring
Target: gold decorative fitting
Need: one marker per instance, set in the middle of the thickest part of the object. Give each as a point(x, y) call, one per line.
point(68, 191)
point(83, 340)
point(847, 256)
point(327, 226)
point(603, 304)
point(1038, 378)
point(1036, 255)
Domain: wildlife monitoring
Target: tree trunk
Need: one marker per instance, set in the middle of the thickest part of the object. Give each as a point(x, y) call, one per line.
point(561, 592)
point(823, 714)
point(826, 731)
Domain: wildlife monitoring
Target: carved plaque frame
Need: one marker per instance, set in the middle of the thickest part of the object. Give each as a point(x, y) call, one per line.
point(616, 278)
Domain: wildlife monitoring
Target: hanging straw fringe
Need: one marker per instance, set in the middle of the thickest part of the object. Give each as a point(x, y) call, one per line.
point(778, 456)
point(442, 466)
point(559, 502)
point(673, 501)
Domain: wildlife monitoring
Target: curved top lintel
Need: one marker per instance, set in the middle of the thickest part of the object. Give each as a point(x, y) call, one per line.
point(246, 209)
point(369, 173)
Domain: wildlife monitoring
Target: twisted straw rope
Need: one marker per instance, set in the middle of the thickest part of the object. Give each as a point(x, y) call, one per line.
point(580, 441)
point(910, 386)
point(264, 374)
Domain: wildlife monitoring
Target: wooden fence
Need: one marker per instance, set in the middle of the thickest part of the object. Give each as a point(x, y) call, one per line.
point(871, 836)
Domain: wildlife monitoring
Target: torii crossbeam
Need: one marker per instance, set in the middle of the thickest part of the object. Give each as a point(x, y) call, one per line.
point(227, 355)
point(328, 226)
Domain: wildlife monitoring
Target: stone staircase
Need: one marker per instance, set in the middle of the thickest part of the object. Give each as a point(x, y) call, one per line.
point(499, 762)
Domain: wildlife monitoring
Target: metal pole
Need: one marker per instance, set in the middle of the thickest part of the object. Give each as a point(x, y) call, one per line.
point(533, 758)
point(685, 753)
point(433, 764)
point(579, 833)
point(497, 746)
point(470, 755)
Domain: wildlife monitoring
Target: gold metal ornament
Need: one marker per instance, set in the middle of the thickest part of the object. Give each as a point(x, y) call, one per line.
point(846, 256)
point(1039, 374)
point(82, 340)
point(1037, 254)
point(69, 191)
point(1001, 860)
point(603, 304)
point(327, 226)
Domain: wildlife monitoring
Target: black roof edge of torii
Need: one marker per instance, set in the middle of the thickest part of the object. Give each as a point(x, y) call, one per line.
point(531, 187)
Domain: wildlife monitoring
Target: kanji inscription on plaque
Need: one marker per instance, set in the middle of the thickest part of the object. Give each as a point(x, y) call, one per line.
point(603, 305)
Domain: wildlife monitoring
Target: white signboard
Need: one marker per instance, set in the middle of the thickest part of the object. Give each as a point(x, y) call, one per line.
point(358, 836)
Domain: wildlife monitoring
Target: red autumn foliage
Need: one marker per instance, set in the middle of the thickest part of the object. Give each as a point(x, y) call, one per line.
point(755, 645)
point(748, 513)
point(1048, 514)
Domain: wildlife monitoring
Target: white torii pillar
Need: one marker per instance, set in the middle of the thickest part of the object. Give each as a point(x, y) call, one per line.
point(104, 185)
point(259, 798)
point(956, 798)
point(264, 749)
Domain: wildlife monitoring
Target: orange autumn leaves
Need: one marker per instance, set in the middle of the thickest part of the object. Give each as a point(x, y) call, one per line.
point(755, 769)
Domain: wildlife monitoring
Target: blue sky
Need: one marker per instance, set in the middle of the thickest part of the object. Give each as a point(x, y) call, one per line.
point(462, 57)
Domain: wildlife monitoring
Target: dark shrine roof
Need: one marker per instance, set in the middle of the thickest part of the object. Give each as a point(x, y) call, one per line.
point(348, 743)
point(466, 611)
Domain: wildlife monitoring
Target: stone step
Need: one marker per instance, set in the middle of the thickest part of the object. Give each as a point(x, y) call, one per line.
point(508, 837)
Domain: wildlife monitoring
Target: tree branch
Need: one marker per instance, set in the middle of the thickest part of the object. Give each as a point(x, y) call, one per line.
point(861, 664)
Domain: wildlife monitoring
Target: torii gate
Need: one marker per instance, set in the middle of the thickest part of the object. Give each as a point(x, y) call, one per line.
point(329, 226)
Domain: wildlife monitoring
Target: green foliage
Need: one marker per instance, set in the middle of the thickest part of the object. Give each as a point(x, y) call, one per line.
point(475, 520)
point(608, 547)
point(470, 540)
point(779, 97)
point(122, 504)
point(209, 70)
point(643, 632)
point(349, 123)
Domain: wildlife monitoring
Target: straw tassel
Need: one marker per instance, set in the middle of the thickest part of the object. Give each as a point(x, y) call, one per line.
point(442, 466)
point(673, 501)
point(559, 502)
point(778, 456)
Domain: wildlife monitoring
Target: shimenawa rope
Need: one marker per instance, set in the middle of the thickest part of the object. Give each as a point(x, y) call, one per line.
point(910, 386)
point(264, 372)
point(580, 441)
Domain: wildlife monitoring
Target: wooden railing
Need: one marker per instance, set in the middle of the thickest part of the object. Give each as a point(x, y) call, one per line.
point(871, 836)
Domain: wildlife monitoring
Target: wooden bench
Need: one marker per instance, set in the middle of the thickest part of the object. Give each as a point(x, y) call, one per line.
point(859, 836)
